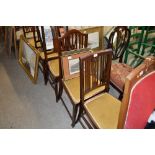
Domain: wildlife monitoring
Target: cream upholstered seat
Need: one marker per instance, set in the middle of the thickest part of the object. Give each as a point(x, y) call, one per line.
point(107, 118)
point(51, 55)
point(54, 67)
point(73, 88)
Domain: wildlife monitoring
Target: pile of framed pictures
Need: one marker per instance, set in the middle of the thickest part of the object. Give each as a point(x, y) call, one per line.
point(29, 59)
point(70, 62)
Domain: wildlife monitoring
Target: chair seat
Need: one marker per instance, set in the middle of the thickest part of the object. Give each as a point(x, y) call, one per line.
point(104, 111)
point(54, 67)
point(73, 88)
point(54, 54)
point(119, 71)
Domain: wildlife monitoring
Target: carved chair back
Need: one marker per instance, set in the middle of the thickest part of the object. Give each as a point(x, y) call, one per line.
point(118, 41)
point(71, 40)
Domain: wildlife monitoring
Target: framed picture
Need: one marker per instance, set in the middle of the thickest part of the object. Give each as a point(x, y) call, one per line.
point(48, 37)
point(70, 63)
point(29, 59)
point(95, 37)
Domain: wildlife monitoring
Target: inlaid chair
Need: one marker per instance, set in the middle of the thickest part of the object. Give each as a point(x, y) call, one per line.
point(71, 40)
point(106, 112)
point(118, 41)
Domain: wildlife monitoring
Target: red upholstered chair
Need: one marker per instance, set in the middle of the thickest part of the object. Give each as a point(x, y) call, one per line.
point(139, 96)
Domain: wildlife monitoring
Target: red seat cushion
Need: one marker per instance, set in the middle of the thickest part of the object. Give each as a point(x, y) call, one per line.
point(141, 103)
point(119, 71)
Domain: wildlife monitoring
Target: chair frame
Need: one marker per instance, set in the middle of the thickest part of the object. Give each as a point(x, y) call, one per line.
point(120, 48)
point(63, 44)
point(138, 73)
point(86, 88)
point(147, 67)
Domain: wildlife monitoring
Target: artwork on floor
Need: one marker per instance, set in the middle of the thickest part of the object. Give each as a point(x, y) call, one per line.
point(29, 59)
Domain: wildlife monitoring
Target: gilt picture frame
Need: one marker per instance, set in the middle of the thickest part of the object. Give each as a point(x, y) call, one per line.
point(29, 59)
point(95, 37)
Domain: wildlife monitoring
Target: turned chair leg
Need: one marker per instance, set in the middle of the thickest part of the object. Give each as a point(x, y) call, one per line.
point(75, 108)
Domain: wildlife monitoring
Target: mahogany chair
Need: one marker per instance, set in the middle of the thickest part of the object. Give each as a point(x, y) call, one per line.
point(70, 41)
point(105, 111)
point(94, 78)
point(118, 41)
point(43, 39)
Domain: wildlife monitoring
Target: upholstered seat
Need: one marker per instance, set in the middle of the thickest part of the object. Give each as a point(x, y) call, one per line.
point(119, 72)
point(107, 118)
point(54, 67)
point(42, 55)
point(71, 84)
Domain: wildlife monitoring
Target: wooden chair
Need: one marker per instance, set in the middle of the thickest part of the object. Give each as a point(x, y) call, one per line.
point(118, 41)
point(44, 43)
point(71, 40)
point(136, 38)
point(94, 78)
point(105, 111)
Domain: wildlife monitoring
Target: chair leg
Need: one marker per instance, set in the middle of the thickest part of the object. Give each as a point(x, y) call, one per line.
point(56, 92)
point(45, 73)
point(60, 90)
point(80, 112)
point(120, 96)
point(75, 107)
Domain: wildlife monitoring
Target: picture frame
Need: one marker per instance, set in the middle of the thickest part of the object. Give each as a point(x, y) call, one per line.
point(95, 37)
point(29, 59)
point(70, 62)
point(46, 37)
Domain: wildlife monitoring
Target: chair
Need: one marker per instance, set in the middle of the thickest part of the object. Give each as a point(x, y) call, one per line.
point(94, 78)
point(70, 41)
point(148, 44)
point(105, 111)
point(134, 47)
point(118, 41)
point(44, 43)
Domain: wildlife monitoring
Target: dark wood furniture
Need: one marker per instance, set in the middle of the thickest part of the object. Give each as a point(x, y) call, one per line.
point(118, 41)
point(105, 111)
point(94, 78)
point(71, 40)
point(46, 53)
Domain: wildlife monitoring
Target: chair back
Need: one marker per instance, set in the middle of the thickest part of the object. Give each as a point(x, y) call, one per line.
point(59, 31)
point(139, 96)
point(71, 40)
point(149, 41)
point(118, 41)
point(95, 72)
point(29, 31)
